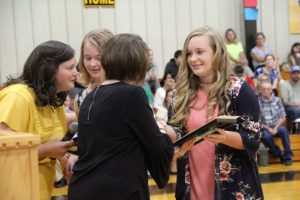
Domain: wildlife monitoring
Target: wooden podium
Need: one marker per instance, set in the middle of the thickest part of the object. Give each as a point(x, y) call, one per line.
point(19, 178)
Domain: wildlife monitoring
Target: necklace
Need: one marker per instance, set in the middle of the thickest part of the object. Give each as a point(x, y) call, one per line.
point(206, 83)
point(90, 107)
point(110, 81)
point(107, 82)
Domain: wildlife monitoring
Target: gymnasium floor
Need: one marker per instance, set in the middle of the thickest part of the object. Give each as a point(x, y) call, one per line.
point(279, 182)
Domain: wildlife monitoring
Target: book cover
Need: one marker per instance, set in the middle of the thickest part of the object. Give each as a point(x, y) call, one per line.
point(222, 121)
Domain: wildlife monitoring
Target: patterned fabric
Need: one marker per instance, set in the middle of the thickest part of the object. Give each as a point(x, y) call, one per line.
point(271, 111)
point(236, 171)
point(272, 76)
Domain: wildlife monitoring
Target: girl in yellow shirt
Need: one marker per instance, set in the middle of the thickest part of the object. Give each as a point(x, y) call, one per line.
point(33, 103)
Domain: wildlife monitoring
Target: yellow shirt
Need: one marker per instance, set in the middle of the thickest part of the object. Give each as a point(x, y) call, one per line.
point(20, 113)
point(234, 50)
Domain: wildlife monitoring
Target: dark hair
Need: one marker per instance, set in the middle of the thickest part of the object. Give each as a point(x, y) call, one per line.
point(162, 81)
point(238, 70)
point(40, 69)
point(165, 103)
point(260, 34)
point(125, 58)
point(295, 44)
point(177, 53)
point(268, 56)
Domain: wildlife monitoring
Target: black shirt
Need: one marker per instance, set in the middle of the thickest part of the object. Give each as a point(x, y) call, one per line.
point(172, 68)
point(118, 141)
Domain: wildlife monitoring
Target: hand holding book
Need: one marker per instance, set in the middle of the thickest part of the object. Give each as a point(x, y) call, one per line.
point(222, 122)
point(180, 151)
point(220, 137)
point(166, 129)
point(188, 145)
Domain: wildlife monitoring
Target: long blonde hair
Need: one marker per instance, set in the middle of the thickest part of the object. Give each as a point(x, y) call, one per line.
point(187, 83)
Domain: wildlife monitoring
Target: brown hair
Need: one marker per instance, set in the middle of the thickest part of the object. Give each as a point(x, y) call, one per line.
point(226, 32)
point(260, 34)
point(40, 69)
point(125, 58)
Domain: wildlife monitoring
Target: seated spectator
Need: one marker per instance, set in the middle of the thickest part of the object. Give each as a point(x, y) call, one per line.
point(259, 52)
point(173, 65)
point(167, 82)
point(70, 114)
point(260, 80)
point(270, 71)
point(164, 112)
point(78, 87)
point(273, 120)
point(236, 52)
point(294, 56)
point(239, 72)
point(290, 94)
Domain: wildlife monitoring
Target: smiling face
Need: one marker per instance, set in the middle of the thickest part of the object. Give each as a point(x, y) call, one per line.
point(199, 58)
point(91, 60)
point(66, 75)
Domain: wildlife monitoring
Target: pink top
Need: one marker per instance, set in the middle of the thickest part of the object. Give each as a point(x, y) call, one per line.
point(201, 156)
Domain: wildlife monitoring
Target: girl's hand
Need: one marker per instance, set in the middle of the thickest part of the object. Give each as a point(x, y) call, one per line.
point(54, 148)
point(220, 137)
point(179, 152)
point(68, 170)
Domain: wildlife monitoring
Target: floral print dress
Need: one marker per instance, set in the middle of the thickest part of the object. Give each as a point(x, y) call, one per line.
point(236, 171)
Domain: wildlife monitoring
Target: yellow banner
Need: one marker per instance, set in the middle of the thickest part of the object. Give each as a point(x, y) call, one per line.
point(99, 2)
point(294, 11)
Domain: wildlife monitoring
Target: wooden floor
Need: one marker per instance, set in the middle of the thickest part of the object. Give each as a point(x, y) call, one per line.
point(279, 182)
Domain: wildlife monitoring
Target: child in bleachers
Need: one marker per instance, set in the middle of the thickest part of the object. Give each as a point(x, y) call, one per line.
point(239, 72)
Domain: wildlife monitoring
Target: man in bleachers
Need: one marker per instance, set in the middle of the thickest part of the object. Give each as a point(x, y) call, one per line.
point(290, 94)
point(173, 65)
point(273, 120)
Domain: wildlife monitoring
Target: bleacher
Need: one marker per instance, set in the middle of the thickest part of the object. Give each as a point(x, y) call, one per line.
point(295, 146)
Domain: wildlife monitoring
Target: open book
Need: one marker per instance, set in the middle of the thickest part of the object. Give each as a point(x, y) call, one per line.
point(222, 121)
